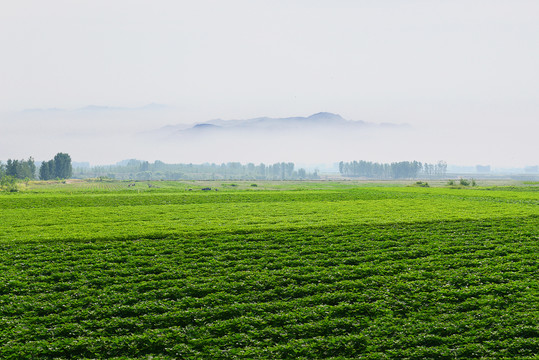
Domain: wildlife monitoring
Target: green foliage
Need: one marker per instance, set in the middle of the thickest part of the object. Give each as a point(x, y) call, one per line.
point(58, 168)
point(464, 182)
point(62, 166)
point(19, 169)
point(422, 184)
point(451, 182)
point(46, 170)
point(97, 270)
point(8, 183)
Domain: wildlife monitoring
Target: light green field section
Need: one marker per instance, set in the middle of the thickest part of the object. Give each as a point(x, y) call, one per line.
point(129, 216)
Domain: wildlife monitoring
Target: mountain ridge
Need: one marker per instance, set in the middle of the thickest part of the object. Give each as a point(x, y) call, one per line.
point(320, 120)
point(316, 125)
point(98, 108)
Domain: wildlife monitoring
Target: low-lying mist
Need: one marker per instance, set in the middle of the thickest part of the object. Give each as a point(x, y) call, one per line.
point(105, 136)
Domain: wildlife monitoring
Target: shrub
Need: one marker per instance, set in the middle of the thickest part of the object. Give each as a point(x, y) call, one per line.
point(9, 184)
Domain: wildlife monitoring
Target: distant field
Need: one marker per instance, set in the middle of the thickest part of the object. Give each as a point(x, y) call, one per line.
point(278, 270)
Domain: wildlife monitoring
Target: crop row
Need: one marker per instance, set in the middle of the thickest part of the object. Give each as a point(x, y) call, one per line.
point(429, 289)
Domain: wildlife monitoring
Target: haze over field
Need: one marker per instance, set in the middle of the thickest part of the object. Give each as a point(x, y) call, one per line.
point(457, 81)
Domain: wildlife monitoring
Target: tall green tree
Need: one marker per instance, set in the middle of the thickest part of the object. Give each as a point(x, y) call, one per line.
point(62, 166)
point(46, 170)
point(31, 168)
point(12, 167)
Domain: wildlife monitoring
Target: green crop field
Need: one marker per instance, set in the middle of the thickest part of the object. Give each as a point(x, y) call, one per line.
point(280, 270)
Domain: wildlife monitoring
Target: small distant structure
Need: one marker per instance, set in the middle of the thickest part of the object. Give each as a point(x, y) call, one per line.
point(206, 189)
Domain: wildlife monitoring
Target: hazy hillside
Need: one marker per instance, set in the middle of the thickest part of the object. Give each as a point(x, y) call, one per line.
point(317, 121)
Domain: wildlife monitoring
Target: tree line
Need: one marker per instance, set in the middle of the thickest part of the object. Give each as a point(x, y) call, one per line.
point(395, 170)
point(19, 169)
point(144, 170)
point(58, 167)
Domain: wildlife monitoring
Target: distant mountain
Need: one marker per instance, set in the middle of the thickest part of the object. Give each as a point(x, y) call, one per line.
point(205, 126)
point(201, 128)
point(148, 107)
point(154, 106)
point(265, 122)
point(317, 126)
point(326, 116)
point(100, 108)
point(319, 120)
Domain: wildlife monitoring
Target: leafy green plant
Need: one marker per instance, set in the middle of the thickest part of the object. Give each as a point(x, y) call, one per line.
point(9, 184)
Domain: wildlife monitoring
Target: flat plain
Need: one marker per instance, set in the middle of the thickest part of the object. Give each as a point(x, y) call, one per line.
point(268, 270)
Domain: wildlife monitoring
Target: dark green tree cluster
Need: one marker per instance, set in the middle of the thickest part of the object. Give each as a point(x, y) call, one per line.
point(59, 167)
point(395, 170)
point(15, 170)
point(19, 169)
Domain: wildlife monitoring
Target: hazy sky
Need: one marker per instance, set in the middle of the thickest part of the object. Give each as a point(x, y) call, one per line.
point(468, 69)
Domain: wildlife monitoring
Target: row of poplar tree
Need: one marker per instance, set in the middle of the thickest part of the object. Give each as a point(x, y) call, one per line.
point(58, 167)
point(144, 170)
point(395, 170)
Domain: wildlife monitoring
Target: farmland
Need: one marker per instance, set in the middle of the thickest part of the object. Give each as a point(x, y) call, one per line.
point(277, 270)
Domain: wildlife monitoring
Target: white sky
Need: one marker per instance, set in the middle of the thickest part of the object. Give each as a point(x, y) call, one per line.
point(467, 68)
